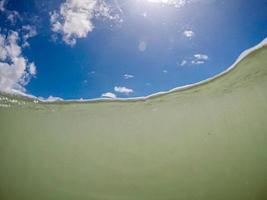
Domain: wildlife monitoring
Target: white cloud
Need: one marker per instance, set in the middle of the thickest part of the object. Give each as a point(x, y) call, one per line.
point(74, 18)
point(29, 32)
point(109, 95)
point(123, 90)
point(15, 70)
point(183, 63)
point(200, 59)
point(165, 71)
point(201, 56)
point(128, 76)
point(198, 62)
point(52, 99)
point(189, 34)
point(32, 69)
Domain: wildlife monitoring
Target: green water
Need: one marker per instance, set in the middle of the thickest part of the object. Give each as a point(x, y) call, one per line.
point(204, 143)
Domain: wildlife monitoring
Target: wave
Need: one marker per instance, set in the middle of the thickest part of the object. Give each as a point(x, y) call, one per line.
point(243, 55)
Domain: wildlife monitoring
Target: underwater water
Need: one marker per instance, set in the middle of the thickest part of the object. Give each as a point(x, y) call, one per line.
point(204, 142)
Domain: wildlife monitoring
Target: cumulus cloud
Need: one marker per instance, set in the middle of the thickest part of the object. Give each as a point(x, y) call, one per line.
point(74, 18)
point(189, 33)
point(200, 59)
point(15, 70)
point(109, 95)
point(128, 76)
point(123, 90)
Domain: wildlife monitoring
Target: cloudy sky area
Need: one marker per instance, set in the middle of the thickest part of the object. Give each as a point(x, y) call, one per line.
point(97, 48)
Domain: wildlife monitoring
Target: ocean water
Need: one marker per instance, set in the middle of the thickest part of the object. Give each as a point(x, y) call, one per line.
point(207, 142)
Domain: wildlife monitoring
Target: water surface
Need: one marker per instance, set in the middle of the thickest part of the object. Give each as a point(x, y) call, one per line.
point(205, 142)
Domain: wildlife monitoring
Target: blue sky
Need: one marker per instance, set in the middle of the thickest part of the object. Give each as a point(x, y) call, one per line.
point(91, 48)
